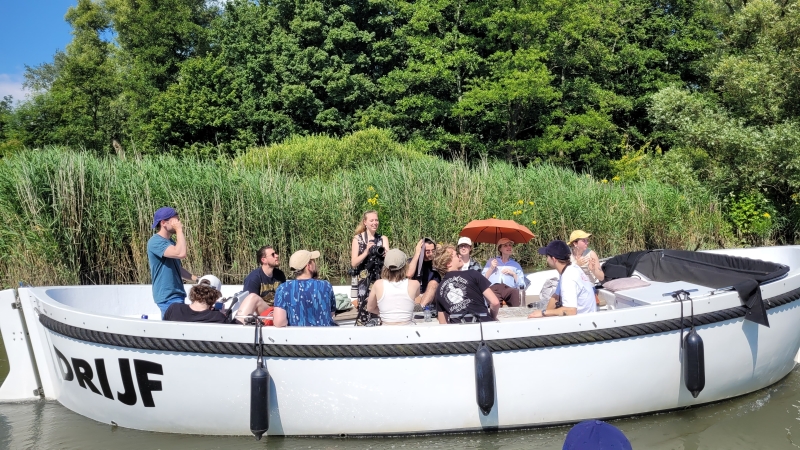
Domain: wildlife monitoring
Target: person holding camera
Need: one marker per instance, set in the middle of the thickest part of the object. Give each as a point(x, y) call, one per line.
point(366, 260)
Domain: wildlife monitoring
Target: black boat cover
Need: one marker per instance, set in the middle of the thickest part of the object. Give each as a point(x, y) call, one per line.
point(705, 269)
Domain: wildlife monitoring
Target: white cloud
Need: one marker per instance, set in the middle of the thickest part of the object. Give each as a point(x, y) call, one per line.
point(11, 84)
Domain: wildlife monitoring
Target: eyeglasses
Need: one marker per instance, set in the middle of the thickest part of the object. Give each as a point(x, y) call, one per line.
point(506, 245)
point(274, 254)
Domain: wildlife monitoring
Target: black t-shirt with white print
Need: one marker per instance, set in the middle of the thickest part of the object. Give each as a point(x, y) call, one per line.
point(461, 292)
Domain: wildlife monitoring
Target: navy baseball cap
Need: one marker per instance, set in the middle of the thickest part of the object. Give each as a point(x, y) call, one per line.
point(163, 213)
point(557, 249)
point(596, 435)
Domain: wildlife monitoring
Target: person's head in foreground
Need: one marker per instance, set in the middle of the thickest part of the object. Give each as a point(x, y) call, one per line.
point(596, 435)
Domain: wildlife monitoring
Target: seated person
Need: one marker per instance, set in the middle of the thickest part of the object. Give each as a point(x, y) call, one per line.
point(424, 273)
point(392, 297)
point(203, 297)
point(463, 294)
point(265, 279)
point(304, 301)
point(586, 259)
point(206, 293)
point(574, 294)
point(505, 274)
point(464, 247)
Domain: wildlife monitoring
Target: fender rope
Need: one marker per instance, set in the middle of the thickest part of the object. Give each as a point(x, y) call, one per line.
point(400, 350)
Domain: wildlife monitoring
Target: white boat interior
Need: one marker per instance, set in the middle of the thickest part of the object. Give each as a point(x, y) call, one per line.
point(74, 343)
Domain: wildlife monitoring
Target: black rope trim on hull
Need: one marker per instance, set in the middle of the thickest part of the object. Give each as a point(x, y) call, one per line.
point(395, 350)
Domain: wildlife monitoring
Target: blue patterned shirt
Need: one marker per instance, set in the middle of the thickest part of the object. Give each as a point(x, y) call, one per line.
point(308, 303)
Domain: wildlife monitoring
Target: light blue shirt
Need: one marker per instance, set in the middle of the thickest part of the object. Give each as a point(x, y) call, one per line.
point(499, 277)
point(165, 272)
point(308, 303)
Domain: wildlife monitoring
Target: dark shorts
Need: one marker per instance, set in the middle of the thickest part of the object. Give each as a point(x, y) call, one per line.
point(506, 294)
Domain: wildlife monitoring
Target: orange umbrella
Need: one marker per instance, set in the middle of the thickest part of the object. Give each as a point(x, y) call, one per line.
point(491, 230)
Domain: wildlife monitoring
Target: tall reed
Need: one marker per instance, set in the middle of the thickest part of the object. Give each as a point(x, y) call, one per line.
point(74, 218)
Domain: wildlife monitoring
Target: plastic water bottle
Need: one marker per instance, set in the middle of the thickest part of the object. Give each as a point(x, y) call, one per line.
point(144, 316)
point(427, 313)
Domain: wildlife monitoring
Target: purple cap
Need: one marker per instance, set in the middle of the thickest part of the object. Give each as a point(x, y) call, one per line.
point(596, 435)
point(557, 249)
point(163, 213)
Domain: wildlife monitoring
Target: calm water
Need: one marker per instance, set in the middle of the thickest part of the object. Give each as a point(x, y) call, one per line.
point(767, 419)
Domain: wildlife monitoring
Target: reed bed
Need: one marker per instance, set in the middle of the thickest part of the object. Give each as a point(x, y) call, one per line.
point(73, 218)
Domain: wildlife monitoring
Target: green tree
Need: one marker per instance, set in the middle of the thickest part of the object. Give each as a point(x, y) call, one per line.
point(154, 37)
point(608, 58)
point(746, 118)
point(439, 41)
point(5, 116)
point(276, 70)
point(72, 97)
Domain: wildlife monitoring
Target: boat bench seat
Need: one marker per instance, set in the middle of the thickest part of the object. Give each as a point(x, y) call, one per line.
point(656, 293)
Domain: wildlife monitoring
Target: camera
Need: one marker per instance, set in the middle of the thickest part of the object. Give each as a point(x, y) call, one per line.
point(375, 258)
point(377, 252)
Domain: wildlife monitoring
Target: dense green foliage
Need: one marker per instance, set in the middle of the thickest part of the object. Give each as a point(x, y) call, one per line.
point(700, 94)
point(741, 135)
point(530, 80)
point(73, 217)
point(323, 155)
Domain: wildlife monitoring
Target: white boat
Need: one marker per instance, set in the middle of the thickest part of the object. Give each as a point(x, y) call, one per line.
point(88, 348)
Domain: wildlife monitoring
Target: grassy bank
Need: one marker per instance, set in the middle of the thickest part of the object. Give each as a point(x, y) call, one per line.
point(74, 218)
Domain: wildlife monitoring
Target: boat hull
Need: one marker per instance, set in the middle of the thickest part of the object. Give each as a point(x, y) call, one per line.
point(420, 379)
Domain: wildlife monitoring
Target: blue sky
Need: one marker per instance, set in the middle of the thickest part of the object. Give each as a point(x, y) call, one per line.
point(30, 33)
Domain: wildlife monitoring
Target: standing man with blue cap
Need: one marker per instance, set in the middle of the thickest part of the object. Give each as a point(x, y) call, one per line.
point(165, 258)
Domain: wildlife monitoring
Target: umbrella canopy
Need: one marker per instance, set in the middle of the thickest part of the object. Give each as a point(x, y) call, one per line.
point(491, 230)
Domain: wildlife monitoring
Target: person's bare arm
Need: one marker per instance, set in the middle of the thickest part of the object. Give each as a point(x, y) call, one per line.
point(563, 311)
point(492, 266)
point(430, 291)
point(594, 266)
point(412, 266)
point(279, 318)
point(355, 257)
point(494, 302)
point(177, 251)
point(372, 300)
point(441, 318)
point(186, 275)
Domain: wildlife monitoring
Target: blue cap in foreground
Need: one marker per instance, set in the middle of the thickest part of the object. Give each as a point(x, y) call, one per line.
point(163, 213)
point(596, 435)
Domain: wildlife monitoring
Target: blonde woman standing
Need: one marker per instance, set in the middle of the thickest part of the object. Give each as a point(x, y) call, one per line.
point(366, 259)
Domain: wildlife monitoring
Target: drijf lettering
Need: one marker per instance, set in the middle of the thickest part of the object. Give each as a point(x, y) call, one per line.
point(80, 370)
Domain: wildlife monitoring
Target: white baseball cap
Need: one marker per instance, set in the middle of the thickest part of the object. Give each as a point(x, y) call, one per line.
point(212, 281)
point(464, 240)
